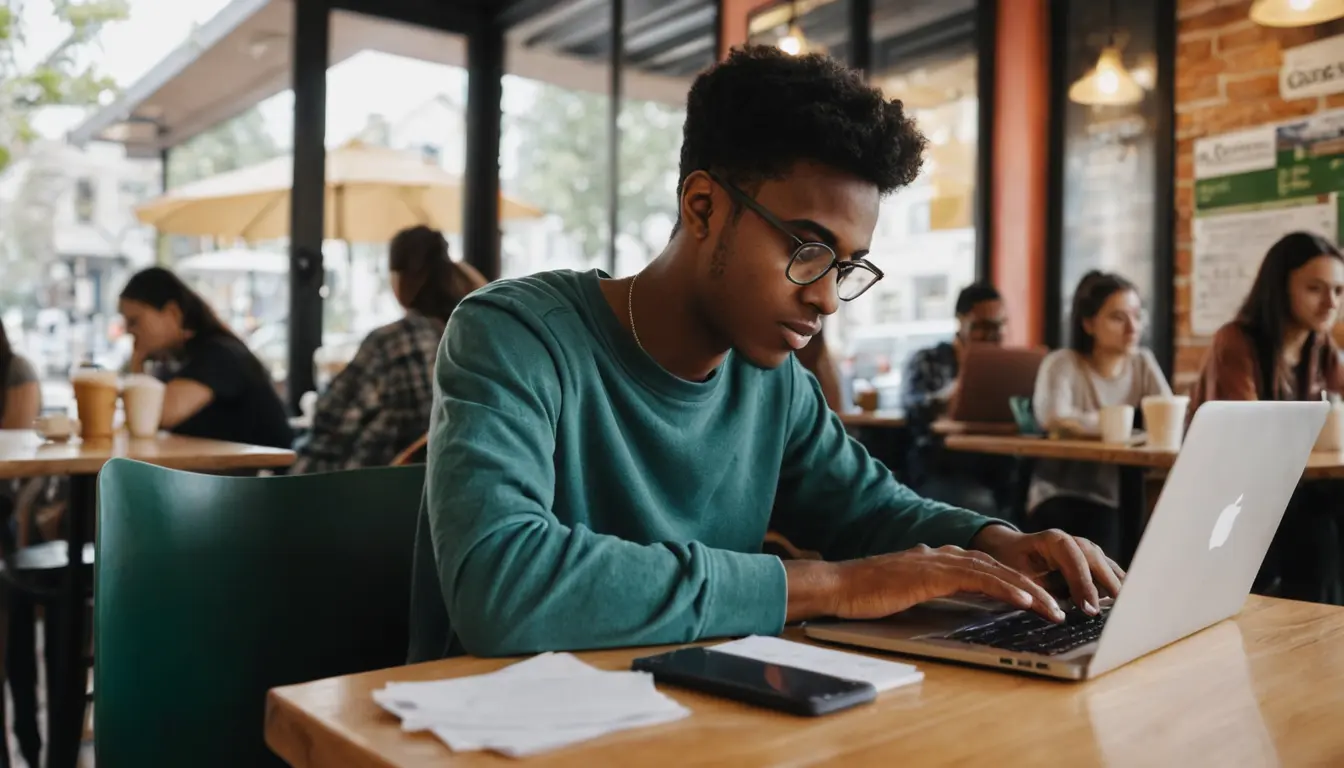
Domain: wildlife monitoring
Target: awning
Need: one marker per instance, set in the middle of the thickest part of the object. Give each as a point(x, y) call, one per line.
point(242, 56)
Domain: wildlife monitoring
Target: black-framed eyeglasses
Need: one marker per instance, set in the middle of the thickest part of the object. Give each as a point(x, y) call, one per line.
point(811, 261)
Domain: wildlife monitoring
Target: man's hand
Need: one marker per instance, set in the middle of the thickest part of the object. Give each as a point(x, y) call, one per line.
point(880, 586)
point(1084, 566)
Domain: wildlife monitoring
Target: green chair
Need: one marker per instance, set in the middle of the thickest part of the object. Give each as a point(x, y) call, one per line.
point(211, 590)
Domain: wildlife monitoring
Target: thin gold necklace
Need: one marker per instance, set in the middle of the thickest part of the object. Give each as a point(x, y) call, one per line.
point(630, 309)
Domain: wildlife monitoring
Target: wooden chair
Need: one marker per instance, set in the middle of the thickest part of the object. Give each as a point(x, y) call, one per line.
point(414, 453)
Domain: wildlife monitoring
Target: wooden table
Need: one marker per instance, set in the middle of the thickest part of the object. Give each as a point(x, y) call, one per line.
point(1065, 450)
point(24, 455)
point(1266, 688)
point(874, 419)
point(1133, 461)
point(948, 427)
point(1320, 466)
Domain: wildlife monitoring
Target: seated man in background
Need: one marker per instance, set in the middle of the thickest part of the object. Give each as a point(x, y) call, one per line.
point(605, 454)
point(978, 482)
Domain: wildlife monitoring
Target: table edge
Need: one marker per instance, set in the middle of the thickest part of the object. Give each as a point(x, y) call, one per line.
point(280, 710)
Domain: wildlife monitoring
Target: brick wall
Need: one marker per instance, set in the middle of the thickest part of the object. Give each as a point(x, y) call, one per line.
point(1227, 79)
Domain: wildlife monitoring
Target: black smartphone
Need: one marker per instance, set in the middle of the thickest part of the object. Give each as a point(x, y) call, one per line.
point(792, 690)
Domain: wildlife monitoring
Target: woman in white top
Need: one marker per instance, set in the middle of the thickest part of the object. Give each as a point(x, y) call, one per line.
point(1103, 366)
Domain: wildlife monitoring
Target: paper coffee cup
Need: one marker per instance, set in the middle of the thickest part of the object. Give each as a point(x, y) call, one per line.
point(1164, 420)
point(96, 400)
point(1117, 423)
point(142, 397)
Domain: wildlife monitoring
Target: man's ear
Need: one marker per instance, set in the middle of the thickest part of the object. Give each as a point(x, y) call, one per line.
point(697, 203)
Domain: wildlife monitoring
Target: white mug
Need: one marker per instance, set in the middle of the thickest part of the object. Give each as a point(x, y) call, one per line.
point(57, 427)
point(1117, 423)
point(142, 397)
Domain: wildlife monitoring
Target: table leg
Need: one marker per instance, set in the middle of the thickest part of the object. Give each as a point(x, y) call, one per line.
point(69, 681)
point(1133, 510)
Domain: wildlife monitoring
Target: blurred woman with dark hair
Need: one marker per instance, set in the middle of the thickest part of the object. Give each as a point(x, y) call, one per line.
point(20, 395)
point(1279, 347)
point(1104, 366)
point(379, 404)
point(216, 387)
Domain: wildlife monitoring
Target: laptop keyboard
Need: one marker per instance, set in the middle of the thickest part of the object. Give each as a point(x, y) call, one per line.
point(1029, 633)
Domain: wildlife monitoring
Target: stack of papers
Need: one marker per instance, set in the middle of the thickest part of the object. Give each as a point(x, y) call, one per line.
point(546, 702)
point(883, 675)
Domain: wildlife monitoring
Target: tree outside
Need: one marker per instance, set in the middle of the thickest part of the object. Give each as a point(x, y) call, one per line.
point(236, 143)
point(67, 75)
point(62, 77)
point(563, 168)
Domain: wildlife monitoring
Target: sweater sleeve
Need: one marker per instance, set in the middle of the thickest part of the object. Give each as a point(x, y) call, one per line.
point(1054, 402)
point(1230, 367)
point(514, 578)
point(837, 499)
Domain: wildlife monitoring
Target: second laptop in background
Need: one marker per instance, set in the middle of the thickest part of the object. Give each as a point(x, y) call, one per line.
point(990, 377)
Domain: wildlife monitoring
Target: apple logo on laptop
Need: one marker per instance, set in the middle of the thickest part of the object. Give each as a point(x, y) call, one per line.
point(1223, 527)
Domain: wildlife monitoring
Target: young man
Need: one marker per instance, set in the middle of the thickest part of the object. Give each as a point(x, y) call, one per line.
point(981, 483)
point(605, 454)
point(931, 374)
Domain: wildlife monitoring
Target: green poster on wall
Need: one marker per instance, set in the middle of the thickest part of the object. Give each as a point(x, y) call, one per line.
point(1251, 188)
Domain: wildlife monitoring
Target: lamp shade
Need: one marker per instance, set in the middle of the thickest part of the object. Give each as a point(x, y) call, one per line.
point(1108, 84)
point(1296, 13)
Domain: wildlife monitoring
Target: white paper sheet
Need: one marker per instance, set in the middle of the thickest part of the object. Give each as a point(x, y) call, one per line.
point(545, 702)
point(884, 675)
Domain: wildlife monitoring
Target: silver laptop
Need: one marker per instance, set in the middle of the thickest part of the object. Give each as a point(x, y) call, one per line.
point(1194, 566)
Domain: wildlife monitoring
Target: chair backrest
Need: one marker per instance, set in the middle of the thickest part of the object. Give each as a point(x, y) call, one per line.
point(212, 590)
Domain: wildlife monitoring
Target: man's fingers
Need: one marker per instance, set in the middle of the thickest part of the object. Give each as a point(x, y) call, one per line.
point(1041, 600)
point(1016, 592)
point(1104, 570)
point(1119, 572)
point(1068, 557)
point(1040, 594)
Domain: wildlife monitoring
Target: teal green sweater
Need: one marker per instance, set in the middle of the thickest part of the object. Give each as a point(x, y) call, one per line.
point(580, 496)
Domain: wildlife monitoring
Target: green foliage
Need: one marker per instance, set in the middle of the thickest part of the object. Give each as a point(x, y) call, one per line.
point(57, 79)
point(564, 164)
point(236, 143)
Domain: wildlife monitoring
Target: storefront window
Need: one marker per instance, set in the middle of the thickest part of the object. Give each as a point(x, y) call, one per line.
point(925, 238)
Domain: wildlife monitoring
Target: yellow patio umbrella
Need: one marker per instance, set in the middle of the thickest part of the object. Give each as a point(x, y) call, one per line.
point(372, 193)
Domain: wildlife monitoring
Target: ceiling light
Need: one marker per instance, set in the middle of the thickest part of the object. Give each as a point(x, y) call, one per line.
point(1108, 84)
point(1296, 13)
point(793, 42)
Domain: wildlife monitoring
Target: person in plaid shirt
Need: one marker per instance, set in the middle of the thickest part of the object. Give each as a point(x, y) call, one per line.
point(379, 404)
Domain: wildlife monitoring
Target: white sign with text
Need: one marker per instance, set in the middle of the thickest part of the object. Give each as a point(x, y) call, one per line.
point(1314, 69)
point(1240, 152)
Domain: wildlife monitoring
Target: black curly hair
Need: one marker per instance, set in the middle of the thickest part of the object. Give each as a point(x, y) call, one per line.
point(754, 115)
